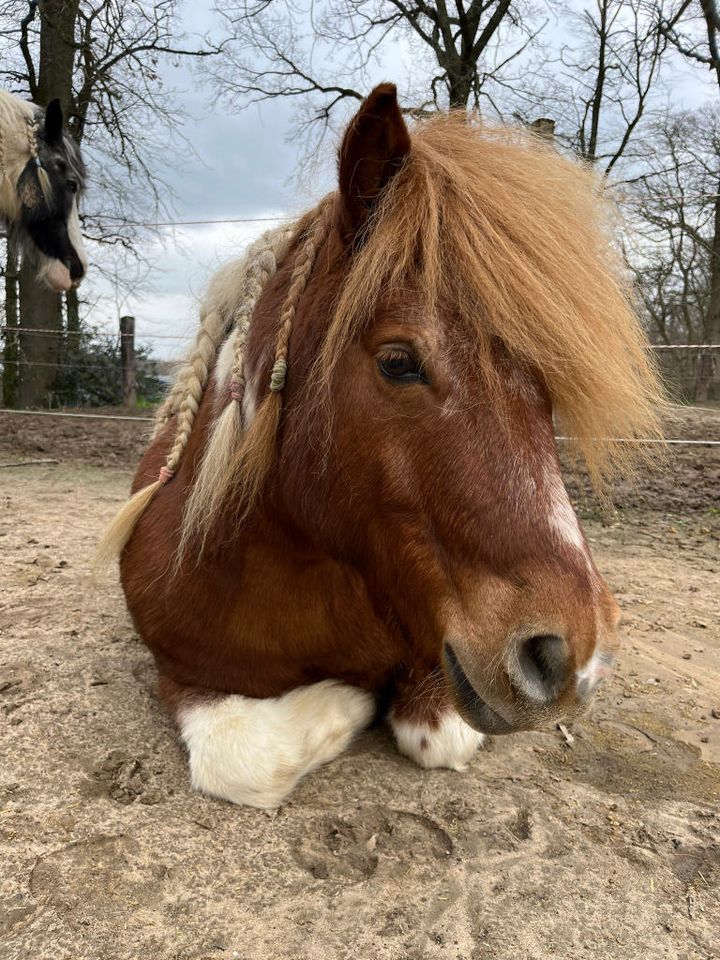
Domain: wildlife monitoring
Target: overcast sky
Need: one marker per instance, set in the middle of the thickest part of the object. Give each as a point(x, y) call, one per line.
point(243, 169)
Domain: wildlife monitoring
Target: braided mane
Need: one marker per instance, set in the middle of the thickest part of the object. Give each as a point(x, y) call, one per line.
point(234, 456)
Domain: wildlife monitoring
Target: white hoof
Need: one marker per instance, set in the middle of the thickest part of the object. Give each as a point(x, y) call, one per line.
point(255, 751)
point(449, 743)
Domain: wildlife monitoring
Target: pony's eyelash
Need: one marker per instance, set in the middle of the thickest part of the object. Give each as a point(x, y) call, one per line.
point(396, 353)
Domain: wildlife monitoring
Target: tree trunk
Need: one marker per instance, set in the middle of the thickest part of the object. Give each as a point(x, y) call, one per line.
point(707, 360)
point(57, 52)
point(11, 352)
point(459, 86)
point(40, 309)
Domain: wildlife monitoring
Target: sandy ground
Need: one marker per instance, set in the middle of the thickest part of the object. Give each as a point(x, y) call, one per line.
point(605, 848)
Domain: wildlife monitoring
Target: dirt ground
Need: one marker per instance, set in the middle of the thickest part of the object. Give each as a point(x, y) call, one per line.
point(608, 847)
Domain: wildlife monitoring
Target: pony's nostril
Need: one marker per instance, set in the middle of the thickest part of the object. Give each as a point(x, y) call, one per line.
point(542, 667)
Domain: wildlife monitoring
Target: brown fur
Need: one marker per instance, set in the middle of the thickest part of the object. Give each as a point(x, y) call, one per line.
point(397, 518)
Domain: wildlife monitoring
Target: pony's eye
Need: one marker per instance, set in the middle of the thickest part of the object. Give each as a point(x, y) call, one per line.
point(72, 186)
point(401, 366)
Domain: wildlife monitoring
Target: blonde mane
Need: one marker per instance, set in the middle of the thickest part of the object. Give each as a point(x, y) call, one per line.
point(18, 144)
point(489, 224)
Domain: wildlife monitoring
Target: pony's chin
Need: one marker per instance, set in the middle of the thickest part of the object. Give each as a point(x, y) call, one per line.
point(57, 276)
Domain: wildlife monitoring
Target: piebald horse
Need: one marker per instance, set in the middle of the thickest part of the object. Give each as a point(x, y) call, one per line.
point(41, 179)
point(354, 495)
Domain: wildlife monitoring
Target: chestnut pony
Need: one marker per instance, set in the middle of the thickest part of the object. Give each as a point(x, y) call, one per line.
point(354, 493)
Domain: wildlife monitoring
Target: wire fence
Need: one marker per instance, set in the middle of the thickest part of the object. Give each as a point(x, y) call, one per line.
point(139, 335)
point(612, 190)
point(69, 366)
point(110, 416)
point(627, 198)
point(4, 328)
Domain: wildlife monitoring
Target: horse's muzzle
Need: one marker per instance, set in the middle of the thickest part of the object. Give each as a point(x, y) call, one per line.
point(538, 686)
point(473, 708)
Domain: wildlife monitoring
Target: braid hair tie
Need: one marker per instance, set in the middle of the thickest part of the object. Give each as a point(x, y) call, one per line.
point(278, 376)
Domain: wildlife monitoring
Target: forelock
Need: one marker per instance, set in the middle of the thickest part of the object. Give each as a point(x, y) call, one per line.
point(514, 241)
point(68, 151)
point(74, 161)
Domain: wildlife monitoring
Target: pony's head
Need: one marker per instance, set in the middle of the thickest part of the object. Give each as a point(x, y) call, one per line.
point(464, 295)
point(48, 189)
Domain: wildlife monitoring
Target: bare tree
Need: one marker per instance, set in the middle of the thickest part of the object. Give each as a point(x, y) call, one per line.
point(11, 317)
point(695, 32)
point(601, 87)
point(322, 53)
point(669, 244)
point(101, 58)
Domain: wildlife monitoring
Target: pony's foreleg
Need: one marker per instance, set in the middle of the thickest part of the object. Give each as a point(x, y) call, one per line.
point(427, 727)
point(255, 751)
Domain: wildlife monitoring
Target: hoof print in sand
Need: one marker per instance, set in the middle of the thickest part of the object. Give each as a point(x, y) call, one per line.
point(125, 779)
point(352, 847)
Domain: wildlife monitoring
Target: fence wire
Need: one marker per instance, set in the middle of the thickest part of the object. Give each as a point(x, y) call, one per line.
point(4, 328)
point(109, 416)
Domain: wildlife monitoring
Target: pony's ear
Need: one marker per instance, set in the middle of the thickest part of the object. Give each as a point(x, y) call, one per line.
point(373, 149)
point(53, 123)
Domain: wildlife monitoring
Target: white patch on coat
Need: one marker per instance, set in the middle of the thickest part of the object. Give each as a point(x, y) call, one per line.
point(254, 751)
point(75, 236)
point(55, 274)
point(561, 516)
point(598, 667)
point(451, 743)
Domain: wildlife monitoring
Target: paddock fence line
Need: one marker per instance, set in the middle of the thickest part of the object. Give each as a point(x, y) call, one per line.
point(680, 376)
point(4, 328)
point(623, 200)
point(109, 416)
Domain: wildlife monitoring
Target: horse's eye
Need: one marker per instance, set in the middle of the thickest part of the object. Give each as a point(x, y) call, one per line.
point(72, 186)
point(401, 367)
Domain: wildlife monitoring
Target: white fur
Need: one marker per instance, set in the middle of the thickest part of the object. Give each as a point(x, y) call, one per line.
point(255, 751)
point(14, 150)
point(596, 669)
point(55, 274)
point(75, 236)
point(561, 516)
point(452, 743)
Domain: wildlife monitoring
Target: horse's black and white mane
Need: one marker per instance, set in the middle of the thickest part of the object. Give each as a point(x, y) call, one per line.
point(41, 178)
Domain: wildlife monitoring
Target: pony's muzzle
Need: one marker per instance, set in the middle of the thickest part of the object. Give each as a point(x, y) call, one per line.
point(539, 684)
point(57, 276)
point(476, 711)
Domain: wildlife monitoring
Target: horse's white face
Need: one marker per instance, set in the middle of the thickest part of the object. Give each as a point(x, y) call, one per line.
point(48, 190)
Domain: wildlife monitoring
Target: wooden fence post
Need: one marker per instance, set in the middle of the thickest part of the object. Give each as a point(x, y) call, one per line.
point(127, 361)
point(704, 372)
point(544, 127)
